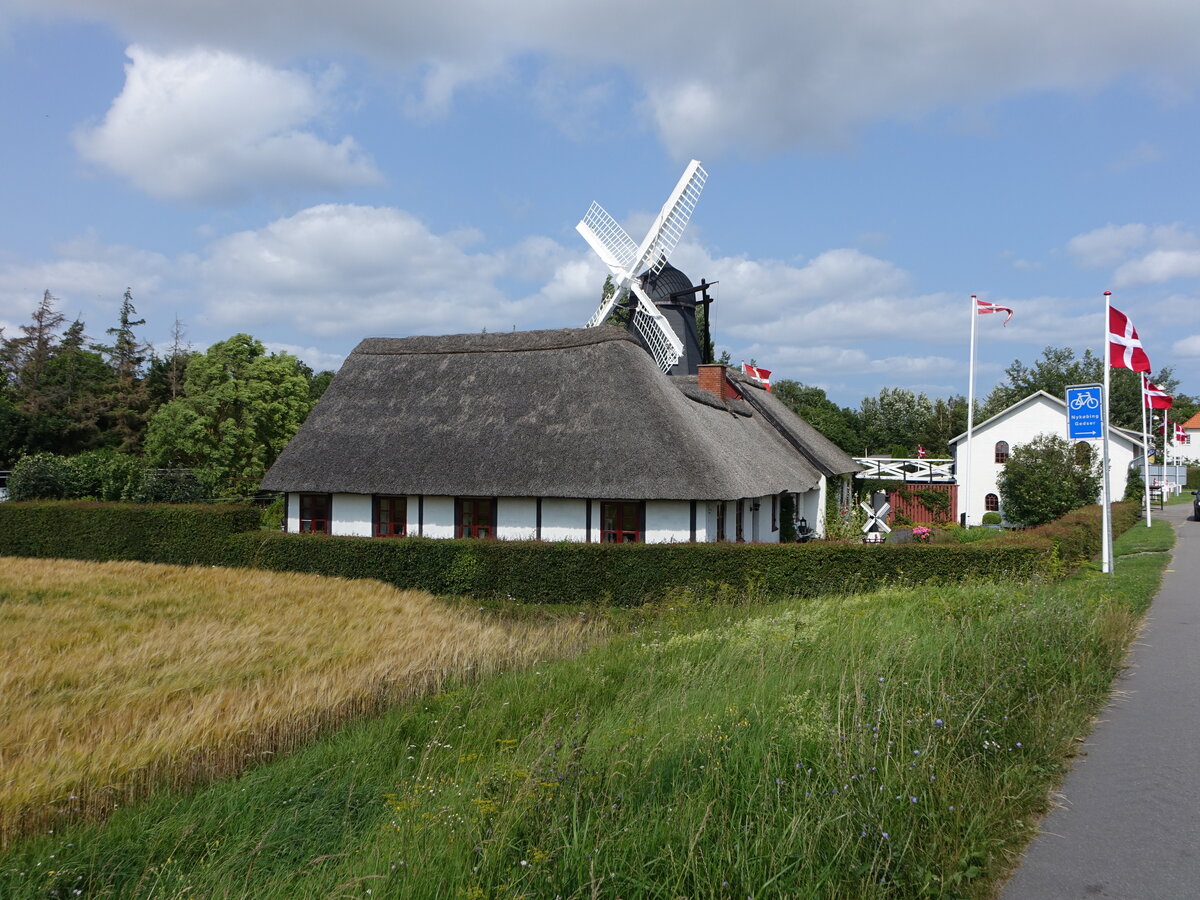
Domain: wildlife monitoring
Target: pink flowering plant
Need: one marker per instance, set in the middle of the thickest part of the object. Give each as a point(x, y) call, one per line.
point(922, 534)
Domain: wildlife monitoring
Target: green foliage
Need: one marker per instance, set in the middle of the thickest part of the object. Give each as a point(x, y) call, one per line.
point(1046, 479)
point(168, 486)
point(1193, 478)
point(991, 518)
point(179, 534)
point(40, 476)
point(240, 408)
point(810, 404)
point(631, 574)
point(787, 518)
point(1135, 487)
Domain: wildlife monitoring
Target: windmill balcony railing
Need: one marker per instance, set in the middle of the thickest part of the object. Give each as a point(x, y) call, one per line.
point(929, 471)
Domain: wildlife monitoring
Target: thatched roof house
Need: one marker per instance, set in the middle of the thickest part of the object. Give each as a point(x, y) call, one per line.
point(548, 434)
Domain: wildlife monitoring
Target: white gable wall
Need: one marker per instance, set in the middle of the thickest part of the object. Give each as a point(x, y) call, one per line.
point(1018, 425)
point(667, 521)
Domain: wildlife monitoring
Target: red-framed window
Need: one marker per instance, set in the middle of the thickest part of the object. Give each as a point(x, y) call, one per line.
point(1001, 452)
point(391, 516)
point(622, 521)
point(314, 513)
point(991, 503)
point(475, 517)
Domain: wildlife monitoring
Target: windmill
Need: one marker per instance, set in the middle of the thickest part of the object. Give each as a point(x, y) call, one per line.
point(633, 266)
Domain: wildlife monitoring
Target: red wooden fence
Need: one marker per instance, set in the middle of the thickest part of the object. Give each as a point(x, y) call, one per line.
point(906, 501)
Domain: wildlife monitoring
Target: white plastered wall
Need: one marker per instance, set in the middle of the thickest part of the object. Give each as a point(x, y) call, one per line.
point(669, 521)
point(439, 517)
point(516, 518)
point(565, 519)
point(350, 514)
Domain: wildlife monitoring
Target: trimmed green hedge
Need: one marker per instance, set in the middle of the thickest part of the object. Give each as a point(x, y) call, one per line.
point(538, 572)
point(161, 533)
point(628, 574)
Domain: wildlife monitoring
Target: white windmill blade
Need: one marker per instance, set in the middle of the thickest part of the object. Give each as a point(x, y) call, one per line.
point(606, 306)
point(610, 241)
point(658, 334)
point(668, 228)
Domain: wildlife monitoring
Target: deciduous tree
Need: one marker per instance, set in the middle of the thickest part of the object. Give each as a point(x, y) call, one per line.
point(239, 409)
point(1047, 478)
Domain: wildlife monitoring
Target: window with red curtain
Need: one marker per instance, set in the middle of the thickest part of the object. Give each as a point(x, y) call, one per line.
point(314, 513)
point(475, 517)
point(391, 516)
point(620, 522)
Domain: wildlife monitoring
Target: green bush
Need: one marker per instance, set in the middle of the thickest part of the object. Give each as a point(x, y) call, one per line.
point(992, 518)
point(42, 476)
point(168, 486)
point(629, 574)
point(1047, 478)
point(1135, 487)
point(179, 534)
point(1193, 478)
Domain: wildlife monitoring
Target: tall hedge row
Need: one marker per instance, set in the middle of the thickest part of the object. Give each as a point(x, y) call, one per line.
point(162, 533)
point(625, 574)
point(532, 571)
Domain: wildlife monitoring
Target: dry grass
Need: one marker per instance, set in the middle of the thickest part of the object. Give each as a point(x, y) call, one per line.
point(119, 678)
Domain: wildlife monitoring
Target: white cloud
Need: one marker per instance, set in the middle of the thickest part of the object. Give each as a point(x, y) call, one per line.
point(1107, 246)
point(1187, 347)
point(762, 74)
point(315, 358)
point(208, 125)
point(1159, 266)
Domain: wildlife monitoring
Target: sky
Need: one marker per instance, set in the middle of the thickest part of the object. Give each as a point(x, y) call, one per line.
point(314, 173)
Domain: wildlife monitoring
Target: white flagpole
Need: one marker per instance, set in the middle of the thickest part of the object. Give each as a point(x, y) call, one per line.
point(1145, 451)
point(964, 499)
point(1105, 497)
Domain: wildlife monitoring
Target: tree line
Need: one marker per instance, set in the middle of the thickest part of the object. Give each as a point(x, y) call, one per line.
point(898, 421)
point(224, 413)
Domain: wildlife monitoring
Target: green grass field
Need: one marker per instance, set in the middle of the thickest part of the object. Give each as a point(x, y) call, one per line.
point(898, 744)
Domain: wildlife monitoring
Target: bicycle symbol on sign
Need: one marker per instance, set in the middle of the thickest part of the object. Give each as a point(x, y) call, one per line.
point(1079, 401)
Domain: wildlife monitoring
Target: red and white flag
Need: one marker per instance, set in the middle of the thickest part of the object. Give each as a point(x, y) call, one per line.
point(1179, 435)
point(983, 308)
point(1156, 397)
point(758, 374)
point(1125, 351)
point(920, 452)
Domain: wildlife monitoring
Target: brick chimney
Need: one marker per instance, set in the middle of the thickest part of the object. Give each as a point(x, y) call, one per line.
point(712, 379)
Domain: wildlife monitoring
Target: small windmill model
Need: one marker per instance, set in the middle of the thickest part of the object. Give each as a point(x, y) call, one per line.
point(630, 262)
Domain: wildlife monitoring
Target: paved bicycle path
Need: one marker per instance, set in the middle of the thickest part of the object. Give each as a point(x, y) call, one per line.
point(1128, 827)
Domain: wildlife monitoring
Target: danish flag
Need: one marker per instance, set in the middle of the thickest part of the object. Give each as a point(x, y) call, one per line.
point(1181, 436)
point(1156, 397)
point(983, 308)
point(758, 374)
point(1124, 349)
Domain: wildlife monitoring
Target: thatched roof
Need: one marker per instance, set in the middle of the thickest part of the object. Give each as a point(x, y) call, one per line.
point(563, 413)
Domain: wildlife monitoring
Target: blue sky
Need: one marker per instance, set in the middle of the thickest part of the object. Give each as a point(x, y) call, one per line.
point(317, 173)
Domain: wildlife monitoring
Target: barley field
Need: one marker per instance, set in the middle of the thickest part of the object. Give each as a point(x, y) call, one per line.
point(121, 678)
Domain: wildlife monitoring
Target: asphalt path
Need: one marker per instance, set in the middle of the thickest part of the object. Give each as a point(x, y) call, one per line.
point(1127, 824)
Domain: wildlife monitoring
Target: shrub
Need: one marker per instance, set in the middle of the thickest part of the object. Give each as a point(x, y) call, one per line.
point(181, 534)
point(42, 476)
point(1047, 478)
point(629, 574)
point(992, 518)
point(1135, 487)
point(168, 486)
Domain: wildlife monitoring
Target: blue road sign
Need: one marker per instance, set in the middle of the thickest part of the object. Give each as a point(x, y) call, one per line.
point(1084, 405)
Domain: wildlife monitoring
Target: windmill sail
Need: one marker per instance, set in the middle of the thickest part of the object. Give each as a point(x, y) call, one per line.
point(627, 260)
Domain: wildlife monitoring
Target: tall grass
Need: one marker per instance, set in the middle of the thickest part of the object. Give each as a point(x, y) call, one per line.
point(899, 744)
point(122, 678)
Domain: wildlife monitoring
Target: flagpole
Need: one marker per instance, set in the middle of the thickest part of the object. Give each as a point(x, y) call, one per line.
point(1145, 450)
point(1105, 498)
point(965, 497)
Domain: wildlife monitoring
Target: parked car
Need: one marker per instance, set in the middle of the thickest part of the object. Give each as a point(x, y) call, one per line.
point(1196, 505)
